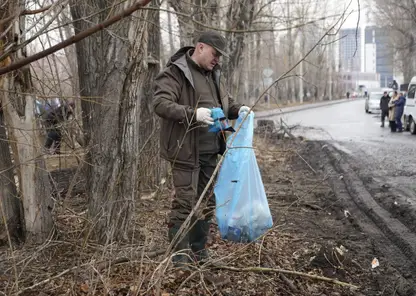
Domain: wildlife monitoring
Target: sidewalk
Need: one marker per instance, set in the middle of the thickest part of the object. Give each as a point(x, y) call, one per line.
point(264, 114)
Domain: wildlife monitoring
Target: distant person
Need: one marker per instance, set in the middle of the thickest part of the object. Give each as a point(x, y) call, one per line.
point(348, 94)
point(365, 94)
point(392, 110)
point(400, 103)
point(384, 107)
point(54, 119)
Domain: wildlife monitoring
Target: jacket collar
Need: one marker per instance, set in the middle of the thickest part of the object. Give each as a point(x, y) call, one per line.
point(179, 60)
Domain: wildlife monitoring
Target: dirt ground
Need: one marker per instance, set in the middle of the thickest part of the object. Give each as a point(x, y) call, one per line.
point(314, 248)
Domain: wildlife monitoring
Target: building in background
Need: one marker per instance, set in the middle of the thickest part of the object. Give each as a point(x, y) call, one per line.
point(350, 50)
point(377, 39)
point(366, 58)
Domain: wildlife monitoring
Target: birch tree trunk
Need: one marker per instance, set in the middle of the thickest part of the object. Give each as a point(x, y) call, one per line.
point(35, 187)
point(18, 110)
point(111, 65)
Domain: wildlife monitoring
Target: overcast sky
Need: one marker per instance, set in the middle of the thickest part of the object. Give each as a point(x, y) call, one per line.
point(351, 22)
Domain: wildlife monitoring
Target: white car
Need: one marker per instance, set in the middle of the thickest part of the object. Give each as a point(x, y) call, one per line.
point(409, 122)
point(372, 102)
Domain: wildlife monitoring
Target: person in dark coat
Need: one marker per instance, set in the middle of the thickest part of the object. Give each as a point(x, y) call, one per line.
point(384, 107)
point(53, 122)
point(400, 103)
point(184, 94)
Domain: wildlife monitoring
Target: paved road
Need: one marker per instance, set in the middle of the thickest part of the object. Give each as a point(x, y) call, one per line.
point(345, 121)
point(349, 128)
point(379, 168)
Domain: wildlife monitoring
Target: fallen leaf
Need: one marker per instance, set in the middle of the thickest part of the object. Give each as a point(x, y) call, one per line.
point(84, 288)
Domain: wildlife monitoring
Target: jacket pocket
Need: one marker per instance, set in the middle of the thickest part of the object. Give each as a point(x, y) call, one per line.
point(180, 146)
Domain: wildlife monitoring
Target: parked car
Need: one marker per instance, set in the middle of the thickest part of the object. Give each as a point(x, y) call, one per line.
point(372, 102)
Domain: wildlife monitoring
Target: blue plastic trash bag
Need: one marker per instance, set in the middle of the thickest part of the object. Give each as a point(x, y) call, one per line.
point(242, 210)
point(220, 121)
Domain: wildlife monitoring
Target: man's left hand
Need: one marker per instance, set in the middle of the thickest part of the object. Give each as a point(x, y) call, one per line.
point(243, 109)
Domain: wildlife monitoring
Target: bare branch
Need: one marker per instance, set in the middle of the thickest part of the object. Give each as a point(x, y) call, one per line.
point(76, 38)
point(24, 12)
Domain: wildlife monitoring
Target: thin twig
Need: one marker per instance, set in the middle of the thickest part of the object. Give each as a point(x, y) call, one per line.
point(51, 278)
point(260, 249)
point(297, 273)
point(306, 162)
point(24, 12)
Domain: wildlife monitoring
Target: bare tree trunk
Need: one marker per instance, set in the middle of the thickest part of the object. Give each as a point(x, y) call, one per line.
point(151, 169)
point(18, 108)
point(186, 26)
point(111, 65)
point(171, 47)
point(257, 61)
point(10, 202)
point(408, 58)
point(240, 17)
point(34, 182)
point(290, 82)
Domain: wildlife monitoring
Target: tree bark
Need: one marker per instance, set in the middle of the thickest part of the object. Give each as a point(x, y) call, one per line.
point(10, 202)
point(111, 65)
point(18, 110)
point(34, 183)
point(239, 17)
point(186, 26)
point(151, 170)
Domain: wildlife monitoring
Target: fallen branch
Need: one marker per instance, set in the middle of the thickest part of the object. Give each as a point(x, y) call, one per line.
point(283, 277)
point(284, 126)
point(297, 273)
point(106, 264)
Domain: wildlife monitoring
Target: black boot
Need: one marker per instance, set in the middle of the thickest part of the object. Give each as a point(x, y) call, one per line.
point(198, 237)
point(180, 260)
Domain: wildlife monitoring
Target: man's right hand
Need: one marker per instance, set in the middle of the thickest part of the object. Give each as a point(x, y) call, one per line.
point(204, 115)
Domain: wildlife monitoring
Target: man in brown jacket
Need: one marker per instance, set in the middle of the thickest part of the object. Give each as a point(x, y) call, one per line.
point(184, 94)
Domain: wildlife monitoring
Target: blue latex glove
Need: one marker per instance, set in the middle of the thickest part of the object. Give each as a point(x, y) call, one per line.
point(220, 121)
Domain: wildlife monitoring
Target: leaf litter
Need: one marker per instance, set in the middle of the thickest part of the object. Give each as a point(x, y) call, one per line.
point(311, 243)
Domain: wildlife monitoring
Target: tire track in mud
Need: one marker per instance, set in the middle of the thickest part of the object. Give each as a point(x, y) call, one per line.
point(389, 236)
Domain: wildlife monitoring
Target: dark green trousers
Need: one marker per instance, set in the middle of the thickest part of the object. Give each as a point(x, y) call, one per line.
point(189, 185)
